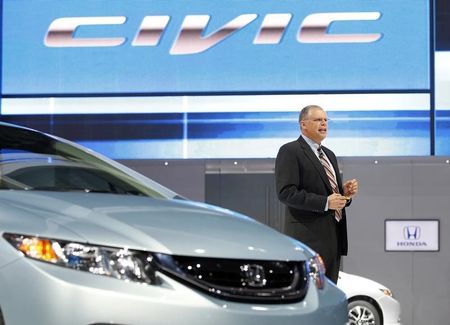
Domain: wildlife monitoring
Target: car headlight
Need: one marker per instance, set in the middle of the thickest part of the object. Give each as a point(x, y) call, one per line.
point(119, 263)
point(386, 292)
point(317, 271)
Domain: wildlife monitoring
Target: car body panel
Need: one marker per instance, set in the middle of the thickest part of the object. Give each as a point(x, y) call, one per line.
point(148, 224)
point(358, 286)
point(119, 302)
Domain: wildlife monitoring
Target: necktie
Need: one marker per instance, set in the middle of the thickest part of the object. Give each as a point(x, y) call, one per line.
point(331, 178)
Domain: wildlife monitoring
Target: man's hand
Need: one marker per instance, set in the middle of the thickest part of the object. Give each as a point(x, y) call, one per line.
point(336, 201)
point(350, 188)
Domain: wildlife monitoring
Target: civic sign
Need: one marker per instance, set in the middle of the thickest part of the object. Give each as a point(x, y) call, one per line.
point(191, 38)
point(412, 235)
point(102, 47)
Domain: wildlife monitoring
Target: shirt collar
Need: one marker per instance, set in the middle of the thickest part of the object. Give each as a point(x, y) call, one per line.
point(314, 146)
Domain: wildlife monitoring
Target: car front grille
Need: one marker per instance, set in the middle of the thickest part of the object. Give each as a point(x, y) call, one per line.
point(251, 281)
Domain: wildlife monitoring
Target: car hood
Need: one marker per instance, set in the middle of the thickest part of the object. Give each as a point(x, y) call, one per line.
point(167, 226)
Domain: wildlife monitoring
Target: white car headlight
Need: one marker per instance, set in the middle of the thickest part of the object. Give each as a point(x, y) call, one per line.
point(119, 263)
point(386, 292)
point(317, 271)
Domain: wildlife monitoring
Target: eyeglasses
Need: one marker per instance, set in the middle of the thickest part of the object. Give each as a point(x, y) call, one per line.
point(318, 120)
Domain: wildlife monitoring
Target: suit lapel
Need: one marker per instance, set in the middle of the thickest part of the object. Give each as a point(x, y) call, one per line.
point(315, 162)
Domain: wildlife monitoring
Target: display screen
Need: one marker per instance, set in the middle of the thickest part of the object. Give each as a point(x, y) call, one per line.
point(208, 79)
point(442, 78)
point(212, 46)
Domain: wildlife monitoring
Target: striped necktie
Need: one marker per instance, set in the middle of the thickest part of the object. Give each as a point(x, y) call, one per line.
point(331, 178)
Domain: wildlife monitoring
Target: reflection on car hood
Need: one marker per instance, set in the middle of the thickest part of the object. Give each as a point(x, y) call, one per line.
point(166, 226)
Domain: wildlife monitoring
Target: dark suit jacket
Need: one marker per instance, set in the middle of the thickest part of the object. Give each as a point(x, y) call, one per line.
point(302, 185)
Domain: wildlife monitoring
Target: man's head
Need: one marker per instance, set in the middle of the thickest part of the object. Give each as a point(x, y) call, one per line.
point(314, 123)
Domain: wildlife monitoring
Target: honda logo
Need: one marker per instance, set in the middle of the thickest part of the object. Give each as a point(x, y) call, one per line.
point(253, 275)
point(411, 232)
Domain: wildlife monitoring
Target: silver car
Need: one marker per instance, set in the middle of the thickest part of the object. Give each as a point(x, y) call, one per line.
point(87, 241)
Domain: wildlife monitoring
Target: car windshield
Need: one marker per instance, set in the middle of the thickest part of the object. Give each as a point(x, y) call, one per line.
point(31, 160)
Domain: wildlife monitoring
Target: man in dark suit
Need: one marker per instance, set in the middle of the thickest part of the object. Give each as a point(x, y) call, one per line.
point(309, 184)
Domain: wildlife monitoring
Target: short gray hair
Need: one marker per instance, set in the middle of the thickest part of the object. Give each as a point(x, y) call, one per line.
point(305, 111)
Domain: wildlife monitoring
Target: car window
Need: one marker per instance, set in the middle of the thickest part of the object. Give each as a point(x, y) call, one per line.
point(30, 160)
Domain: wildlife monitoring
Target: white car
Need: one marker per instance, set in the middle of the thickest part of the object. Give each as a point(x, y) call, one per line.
point(369, 302)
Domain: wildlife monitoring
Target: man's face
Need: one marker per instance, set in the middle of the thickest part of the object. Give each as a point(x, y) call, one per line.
point(315, 125)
